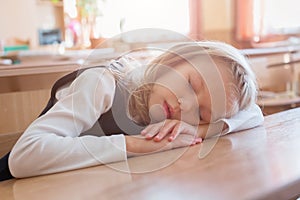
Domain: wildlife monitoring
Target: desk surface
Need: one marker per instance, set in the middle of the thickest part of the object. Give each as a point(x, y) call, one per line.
point(261, 163)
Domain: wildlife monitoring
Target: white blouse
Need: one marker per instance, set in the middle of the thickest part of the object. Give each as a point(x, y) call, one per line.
point(51, 143)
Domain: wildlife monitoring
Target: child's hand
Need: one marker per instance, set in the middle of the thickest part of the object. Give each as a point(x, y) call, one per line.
point(184, 140)
point(159, 131)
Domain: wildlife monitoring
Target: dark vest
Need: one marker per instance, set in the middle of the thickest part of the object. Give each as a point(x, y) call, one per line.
point(114, 121)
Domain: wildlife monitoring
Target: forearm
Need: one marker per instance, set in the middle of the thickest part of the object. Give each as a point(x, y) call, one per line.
point(139, 146)
point(46, 153)
point(210, 130)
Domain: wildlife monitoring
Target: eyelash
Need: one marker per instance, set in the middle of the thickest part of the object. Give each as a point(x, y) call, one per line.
point(191, 85)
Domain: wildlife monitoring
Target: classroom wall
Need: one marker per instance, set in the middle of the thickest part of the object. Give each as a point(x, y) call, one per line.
point(217, 15)
point(18, 21)
point(24, 20)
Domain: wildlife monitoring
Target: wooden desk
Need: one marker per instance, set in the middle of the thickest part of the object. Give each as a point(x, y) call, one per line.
point(42, 70)
point(25, 87)
point(260, 163)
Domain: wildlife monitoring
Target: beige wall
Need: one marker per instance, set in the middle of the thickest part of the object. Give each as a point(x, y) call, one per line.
point(18, 21)
point(217, 15)
point(22, 21)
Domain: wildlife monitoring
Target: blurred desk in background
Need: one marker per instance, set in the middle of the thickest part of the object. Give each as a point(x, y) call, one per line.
point(33, 75)
point(277, 102)
point(278, 74)
point(25, 87)
point(39, 70)
point(25, 90)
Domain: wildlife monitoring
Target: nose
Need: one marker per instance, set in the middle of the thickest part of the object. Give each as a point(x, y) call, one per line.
point(186, 104)
point(189, 111)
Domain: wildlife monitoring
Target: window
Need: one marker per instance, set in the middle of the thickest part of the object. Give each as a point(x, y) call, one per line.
point(280, 17)
point(263, 20)
point(122, 16)
point(109, 18)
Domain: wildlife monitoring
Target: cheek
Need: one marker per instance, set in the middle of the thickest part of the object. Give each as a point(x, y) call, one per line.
point(154, 96)
point(156, 111)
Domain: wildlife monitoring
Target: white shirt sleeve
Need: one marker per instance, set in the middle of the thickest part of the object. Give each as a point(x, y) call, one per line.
point(52, 144)
point(244, 119)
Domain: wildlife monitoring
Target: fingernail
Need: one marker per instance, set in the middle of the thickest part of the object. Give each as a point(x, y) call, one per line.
point(143, 132)
point(198, 140)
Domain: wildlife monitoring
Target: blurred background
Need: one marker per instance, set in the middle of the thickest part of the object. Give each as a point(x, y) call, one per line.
point(79, 24)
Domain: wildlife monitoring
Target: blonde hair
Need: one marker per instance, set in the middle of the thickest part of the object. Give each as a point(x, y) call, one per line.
point(246, 84)
point(243, 90)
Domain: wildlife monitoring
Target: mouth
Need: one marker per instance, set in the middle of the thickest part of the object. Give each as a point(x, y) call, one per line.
point(167, 110)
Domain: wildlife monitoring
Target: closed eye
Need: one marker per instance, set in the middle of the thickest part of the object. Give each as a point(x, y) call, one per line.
point(196, 91)
point(203, 97)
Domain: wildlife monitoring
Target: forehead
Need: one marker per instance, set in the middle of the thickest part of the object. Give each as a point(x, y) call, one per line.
point(209, 68)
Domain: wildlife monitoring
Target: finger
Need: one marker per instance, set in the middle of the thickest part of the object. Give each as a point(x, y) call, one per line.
point(183, 128)
point(150, 128)
point(182, 140)
point(166, 129)
point(175, 133)
point(153, 130)
point(197, 141)
point(147, 129)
